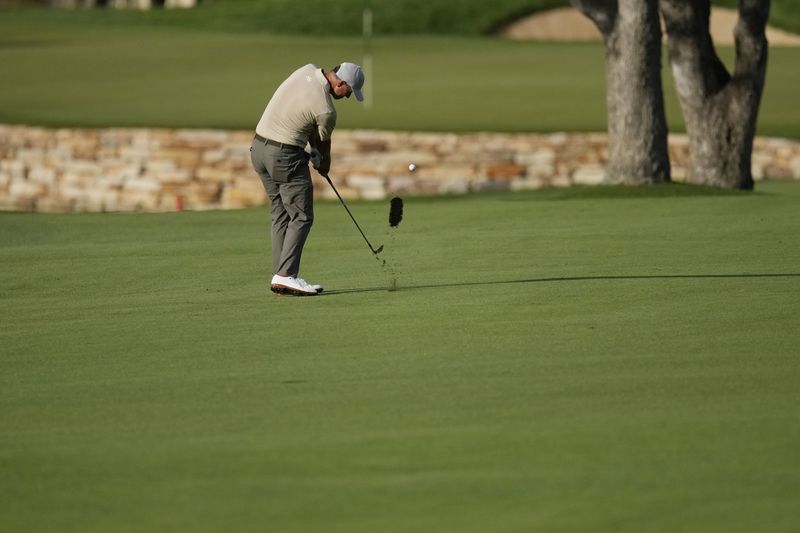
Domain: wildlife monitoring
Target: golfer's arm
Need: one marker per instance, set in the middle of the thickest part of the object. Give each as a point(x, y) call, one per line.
point(324, 148)
point(325, 123)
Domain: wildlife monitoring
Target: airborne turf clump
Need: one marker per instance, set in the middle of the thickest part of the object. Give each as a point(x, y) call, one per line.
point(395, 216)
point(395, 211)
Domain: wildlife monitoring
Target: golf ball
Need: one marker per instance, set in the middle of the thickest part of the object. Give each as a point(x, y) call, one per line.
point(412, 167)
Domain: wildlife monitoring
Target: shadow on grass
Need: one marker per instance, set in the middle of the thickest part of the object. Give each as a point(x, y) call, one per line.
point(563, 279)
point(614, 192)
point(595, 192)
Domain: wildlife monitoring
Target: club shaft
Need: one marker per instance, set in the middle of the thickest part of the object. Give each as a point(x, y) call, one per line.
point(349, 213)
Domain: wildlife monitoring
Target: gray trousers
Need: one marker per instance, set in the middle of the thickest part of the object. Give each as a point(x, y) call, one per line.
point(287, 179)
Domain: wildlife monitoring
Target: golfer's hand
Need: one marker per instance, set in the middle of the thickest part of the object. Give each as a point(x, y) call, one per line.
point(320, 163)
point(315, 158)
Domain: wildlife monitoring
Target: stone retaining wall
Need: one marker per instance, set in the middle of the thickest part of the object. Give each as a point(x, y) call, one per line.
point(63, 170)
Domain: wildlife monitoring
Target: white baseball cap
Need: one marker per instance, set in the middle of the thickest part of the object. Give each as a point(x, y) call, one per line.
point(354, 76)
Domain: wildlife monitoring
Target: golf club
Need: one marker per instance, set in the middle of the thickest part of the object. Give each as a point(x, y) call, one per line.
point(375, 251)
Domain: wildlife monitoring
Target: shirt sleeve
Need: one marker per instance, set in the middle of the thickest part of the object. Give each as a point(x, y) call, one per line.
point(326, 122)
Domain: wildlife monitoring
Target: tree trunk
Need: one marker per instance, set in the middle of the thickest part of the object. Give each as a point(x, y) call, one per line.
point(720, 111)
point(637, 126)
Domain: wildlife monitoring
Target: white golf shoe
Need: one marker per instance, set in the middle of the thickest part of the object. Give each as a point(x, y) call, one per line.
point(293, 286)
point(317, 288)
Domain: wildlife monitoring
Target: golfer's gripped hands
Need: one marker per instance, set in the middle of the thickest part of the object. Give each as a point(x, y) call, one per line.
point(324, 166)
point(320, 163)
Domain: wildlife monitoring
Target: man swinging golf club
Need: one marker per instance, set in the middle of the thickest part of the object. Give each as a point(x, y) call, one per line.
point(300, 112)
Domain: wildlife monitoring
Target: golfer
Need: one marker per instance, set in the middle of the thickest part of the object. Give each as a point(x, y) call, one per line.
point(300, 113)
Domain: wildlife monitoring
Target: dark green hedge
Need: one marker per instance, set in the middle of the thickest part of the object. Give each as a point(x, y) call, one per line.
point(328, 17)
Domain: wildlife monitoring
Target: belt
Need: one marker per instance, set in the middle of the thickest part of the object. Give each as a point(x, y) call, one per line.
point(264, 140)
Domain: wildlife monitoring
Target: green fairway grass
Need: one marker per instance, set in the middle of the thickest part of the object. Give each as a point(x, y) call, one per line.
point(605, 360)
point(90, 75)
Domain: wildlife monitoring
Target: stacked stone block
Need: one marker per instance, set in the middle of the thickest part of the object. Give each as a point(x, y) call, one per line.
point(119, 169)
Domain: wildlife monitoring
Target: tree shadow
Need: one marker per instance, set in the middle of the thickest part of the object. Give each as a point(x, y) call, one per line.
point(562, 279)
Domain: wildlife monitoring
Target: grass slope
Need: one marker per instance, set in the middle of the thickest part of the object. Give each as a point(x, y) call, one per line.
point(567, 360)
point(122, 76)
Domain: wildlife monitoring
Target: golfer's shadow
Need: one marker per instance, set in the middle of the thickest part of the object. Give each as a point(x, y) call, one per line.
point(563, 279)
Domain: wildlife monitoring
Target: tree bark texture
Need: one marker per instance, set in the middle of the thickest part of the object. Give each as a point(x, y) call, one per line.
point(637, 126)
point(720, 109)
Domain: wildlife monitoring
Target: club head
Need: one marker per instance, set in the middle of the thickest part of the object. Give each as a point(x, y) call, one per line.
point(378, 250)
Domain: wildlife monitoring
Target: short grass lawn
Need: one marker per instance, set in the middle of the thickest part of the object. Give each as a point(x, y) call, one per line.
point(73, 75)
point(605, 360)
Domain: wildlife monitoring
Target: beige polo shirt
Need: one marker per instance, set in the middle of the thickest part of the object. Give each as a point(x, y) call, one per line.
point(299, 106)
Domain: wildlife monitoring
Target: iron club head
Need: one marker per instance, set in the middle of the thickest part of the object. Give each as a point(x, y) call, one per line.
point(378, 250)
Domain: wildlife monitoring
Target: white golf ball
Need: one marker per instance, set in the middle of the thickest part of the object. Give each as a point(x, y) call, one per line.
point(412, 167)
